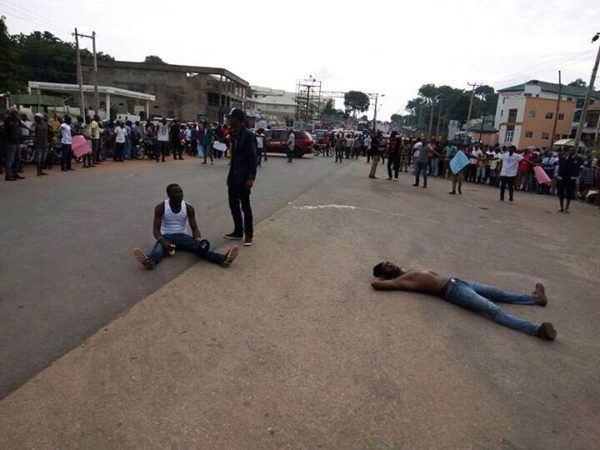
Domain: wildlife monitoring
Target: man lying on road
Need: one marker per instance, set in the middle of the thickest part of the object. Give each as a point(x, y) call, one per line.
point(170, 231)
point(473, 296)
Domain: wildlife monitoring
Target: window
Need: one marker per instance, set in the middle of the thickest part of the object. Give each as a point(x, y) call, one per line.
point(577, 116)
point(213, 99)
point(561, 116)
point(532, 114)
point(501, 112)
point(503, 100)
point(546, 136)
point(512, 115)
point(580, 102)
point(556, 137)
point(549, 115)
point(529, 134)
point(510, 131)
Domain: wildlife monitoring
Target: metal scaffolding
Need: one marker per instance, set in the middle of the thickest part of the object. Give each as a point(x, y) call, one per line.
point(308, 100)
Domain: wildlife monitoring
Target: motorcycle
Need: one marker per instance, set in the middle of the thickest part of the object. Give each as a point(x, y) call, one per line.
point(145, 147)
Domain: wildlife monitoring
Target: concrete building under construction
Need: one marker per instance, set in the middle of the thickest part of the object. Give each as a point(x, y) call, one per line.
point(182, 92)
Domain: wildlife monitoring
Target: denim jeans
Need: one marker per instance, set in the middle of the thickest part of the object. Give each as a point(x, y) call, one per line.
point(186, 243)
point(481, 298)
point(421, 167)
point(13, 160)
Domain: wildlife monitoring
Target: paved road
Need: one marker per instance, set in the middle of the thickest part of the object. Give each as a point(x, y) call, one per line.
point(67, 268)
point(291, 348)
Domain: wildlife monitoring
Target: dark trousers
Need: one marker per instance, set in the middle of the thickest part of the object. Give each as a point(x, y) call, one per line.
point(66, 156)
point(504, 182)
point(95, 150)
point(393, 163)
point(339, 154)
point(421, 167)
point(177, 150)
point(162, 147)
point(119, 146)
point(566, 189)
point(239, 195)
point(290, 153)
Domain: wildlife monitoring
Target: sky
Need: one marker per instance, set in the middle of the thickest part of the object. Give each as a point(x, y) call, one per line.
point(385, 47)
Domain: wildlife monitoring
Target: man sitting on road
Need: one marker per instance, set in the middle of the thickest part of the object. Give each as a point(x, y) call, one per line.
point(473, 296)
point(170, 231)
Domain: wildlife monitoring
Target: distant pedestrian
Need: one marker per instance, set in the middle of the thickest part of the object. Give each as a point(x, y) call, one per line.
point(95, 138)
point(422, 163)
point(12, 133)
point(261, 146)
point(162, 140)
point(65, 141)
point(376, 143)
point(290, 145)
point(120, 139)
point(510, 165)
point(40, 143)
point(569, 166)
point(339, 148)
point(393, 156)
point(207, 143)
point(175, 140)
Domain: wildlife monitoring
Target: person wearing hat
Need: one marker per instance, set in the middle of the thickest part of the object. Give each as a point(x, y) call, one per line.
point(242, 172)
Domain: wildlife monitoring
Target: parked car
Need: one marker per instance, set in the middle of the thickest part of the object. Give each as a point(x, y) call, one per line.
point(277, 142)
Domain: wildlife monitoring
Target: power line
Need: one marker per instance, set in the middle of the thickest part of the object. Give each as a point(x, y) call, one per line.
point(31, 13)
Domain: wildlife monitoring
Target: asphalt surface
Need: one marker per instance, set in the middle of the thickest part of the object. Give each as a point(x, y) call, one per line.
point(68, 267)
point(291, 348)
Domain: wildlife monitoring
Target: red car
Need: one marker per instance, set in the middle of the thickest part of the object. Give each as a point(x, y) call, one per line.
point(277, 142)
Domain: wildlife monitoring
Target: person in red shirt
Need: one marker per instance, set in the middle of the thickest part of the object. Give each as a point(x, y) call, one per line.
point(525, 166)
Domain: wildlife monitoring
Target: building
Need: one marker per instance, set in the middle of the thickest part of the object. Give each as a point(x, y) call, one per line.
point(182, 92)
point(525, 114)
point(276, 106)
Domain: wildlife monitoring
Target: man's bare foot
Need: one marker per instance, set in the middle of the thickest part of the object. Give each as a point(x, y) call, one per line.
point(539, 295)
point(546, 331)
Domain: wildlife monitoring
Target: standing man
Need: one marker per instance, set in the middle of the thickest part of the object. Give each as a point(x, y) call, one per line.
point(120, 138)
point(261, 146)
point(163, 140)
point(291, 143)
point(95, 137)
point(422, 161)
point(40, 142)
point(569, 166)
point(376, 142)
point(339, 148)
point(394, 156)
point(242, 172)
point(207, 142)
point(12, 132)
point(176, 146)
point(194, 137)
point(367, 146)
point(510, 164)
point(65, 142)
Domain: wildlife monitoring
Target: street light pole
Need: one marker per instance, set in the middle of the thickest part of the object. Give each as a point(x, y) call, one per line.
point(588, 96)
point(375, 113)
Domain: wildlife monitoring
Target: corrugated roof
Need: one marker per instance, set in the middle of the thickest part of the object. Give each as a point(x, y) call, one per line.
point(572, 91)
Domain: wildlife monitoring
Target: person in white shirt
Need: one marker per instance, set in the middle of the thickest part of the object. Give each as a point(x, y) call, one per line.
point(261, 146)
point(120, 137)
point(65, 141)
point(510, 164)
point(291, 143)
point(162, 140)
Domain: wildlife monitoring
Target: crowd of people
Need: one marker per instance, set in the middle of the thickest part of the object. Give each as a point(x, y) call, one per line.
point(49, 141)
point(502, 167)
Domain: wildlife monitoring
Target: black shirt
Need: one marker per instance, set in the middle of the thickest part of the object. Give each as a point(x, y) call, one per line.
point(569, 166)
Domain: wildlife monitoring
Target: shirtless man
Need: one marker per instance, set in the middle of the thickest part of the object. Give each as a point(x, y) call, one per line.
point(473, 296)
point(170, 231)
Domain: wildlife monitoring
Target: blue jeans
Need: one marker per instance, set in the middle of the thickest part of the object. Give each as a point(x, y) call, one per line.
point(127, 149)
point(421, 167)
point(13, 160)
point(480, 298)
point(66, 156)
point(186, 243)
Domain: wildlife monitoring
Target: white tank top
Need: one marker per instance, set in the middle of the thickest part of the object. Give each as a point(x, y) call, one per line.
point(174, 223)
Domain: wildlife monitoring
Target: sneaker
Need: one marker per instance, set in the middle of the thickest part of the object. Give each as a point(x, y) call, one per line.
point(230, 256)
point(233, 237)
point(395, 179)
point(143, 259)
point(247, 241)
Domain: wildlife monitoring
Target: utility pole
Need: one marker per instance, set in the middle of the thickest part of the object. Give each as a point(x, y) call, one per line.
point(96, 97)
point(430, 128)
point(437, 132)
point(473, 86)
point(375, 113)
point(79, 75)
point(588, 96)
point(557, 110)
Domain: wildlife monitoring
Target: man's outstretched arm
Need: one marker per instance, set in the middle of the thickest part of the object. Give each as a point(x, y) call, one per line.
point(193, 224)
point(405, 282)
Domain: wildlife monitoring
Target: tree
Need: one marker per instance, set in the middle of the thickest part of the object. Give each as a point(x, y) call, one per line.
point(10, 77)
point(329, 109)
point(397, 118)
point(578, 83)
point(356, 101)
point(153, 59)
point(364, 117)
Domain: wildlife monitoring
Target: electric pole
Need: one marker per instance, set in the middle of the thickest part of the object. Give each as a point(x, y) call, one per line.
point(557, 110)
point(430, 128)
point(79, 75)
point(96, 97)
point(375, 113)
point(588, 96)
point(473, 87)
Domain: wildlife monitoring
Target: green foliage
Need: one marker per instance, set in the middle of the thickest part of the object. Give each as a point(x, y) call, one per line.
point(153, 59)
point(356, 101)
point(329, 109)
point(38, 56)
point(578, 82)
point(397, 119)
